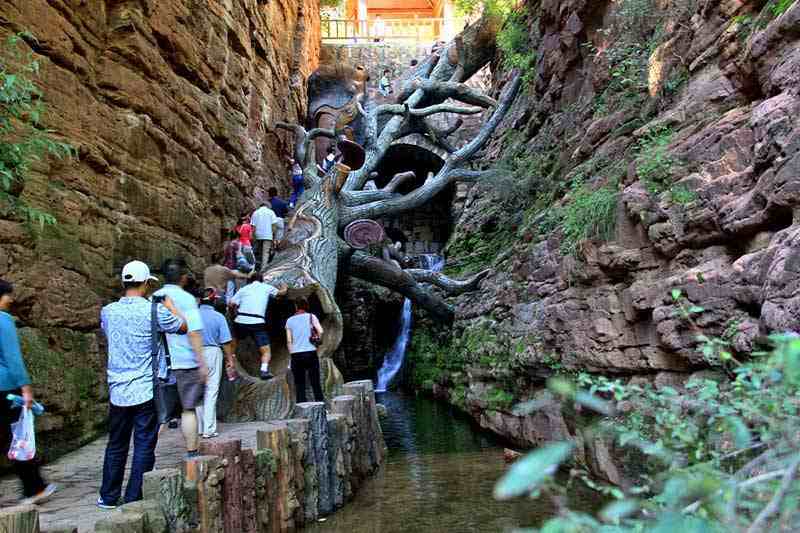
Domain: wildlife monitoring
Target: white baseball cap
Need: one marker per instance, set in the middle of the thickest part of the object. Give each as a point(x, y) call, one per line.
point(136, 271)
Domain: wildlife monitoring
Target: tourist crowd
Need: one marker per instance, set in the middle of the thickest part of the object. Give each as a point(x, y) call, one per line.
point(167, 349)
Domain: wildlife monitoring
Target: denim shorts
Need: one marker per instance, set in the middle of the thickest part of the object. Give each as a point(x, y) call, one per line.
point(257, 331)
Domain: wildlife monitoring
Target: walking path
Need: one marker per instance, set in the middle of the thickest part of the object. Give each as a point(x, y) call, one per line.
point(78, 475)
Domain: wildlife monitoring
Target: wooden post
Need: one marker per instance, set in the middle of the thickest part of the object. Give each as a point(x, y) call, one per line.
point(19, 519)
point(204, 474)
point(165, 486)
point(230, 451)
point(150, 510)
point(304, 485)
point(318, 455)
point(121, 523)
point(338, 432)
point(343, 405)
point(275, 439)
point(247, 469)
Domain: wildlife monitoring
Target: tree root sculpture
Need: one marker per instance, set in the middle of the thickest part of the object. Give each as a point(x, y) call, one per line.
point(309, 260)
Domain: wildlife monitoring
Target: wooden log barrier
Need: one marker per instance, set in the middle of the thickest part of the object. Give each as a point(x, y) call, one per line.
point(265, 479)
point(275, 439)
point(203, 477)
point(247, 472)
point(19, 519)
point(150, 511)
point(165, 487)
point(304, 482)
point(318, 448)
point(119, 522)
point(337, 448)
point(344, 405)
point(230, 451)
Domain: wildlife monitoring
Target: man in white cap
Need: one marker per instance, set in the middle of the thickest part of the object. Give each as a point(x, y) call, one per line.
point(127, 325)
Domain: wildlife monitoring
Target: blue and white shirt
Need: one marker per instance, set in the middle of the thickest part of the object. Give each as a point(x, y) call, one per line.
point(126, 324)
point(181, 354)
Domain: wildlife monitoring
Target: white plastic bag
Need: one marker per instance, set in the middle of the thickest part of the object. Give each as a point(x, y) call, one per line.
point(23, 441)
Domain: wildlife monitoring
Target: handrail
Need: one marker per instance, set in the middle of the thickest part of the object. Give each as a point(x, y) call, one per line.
point(401, 29)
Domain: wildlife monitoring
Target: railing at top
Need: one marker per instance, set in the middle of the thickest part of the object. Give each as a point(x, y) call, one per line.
point(419, 30)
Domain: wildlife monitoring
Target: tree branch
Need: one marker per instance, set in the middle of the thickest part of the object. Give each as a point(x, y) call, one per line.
point(398, 180)
point(375, 270)
point(774, 504)
point(355, 198)
point(457, 91)
point(399, 204)
point(452, 287)
point(400, 109)
point(472, 147)
point(303, 139)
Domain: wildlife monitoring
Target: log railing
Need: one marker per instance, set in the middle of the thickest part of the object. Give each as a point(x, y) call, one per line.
point(418, 30)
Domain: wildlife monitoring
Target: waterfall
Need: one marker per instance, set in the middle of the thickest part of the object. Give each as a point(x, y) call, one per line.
point(393, 360)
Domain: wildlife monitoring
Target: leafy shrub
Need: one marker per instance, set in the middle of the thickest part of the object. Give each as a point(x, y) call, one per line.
point(24, 140)
point(722, 453)
point(779, 7)
point(513, 40)
point(589, 214)
point(654, 164)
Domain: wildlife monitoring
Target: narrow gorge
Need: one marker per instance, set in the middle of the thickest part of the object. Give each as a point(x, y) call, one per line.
point(560, 234)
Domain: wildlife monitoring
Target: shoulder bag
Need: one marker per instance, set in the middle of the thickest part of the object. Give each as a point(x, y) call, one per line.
point(165, 391)
point(314, 338)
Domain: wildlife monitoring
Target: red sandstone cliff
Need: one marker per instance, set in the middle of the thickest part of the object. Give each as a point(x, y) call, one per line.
point(170, 105)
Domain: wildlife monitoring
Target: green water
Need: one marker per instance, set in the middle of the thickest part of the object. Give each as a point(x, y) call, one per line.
point(438, 477)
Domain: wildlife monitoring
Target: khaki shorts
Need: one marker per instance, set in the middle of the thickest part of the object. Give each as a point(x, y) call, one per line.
point(191, 387)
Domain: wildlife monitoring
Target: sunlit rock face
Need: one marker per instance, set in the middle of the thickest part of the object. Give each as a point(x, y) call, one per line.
point(170, 105)
point(720, 95)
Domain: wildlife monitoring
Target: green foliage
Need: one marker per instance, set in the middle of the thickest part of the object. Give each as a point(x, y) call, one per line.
point(654, 164)
point(682, 195)
point(477, 250)
point(779, 7)
point(513, 40)
point(722, 454)
point(496, 8)
point(499, 400)
point(24, 140)
point(589, 214)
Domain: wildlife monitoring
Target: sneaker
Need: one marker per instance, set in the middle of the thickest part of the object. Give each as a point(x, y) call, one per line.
point(102, 505)
point(173, 423)
point(265, 375)
point(210, 435)
point(42, 496)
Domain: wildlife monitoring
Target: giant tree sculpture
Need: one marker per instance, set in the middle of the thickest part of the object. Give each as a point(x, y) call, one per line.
point(314, 251)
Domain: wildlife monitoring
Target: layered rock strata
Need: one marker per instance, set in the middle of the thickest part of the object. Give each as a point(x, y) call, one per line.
point(170, 106)
point(685, 116)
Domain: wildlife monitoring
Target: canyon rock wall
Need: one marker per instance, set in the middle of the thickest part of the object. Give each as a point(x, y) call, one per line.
point(672, 127)
point(170, 105)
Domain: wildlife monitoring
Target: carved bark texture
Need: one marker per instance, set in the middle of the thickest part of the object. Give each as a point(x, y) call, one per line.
point(309, 259)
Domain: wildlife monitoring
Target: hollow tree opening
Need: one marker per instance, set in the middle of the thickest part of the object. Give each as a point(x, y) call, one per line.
point(427, 229)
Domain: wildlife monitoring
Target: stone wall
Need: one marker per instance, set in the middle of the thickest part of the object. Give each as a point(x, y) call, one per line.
point(170, 105)
point(717, 87)
point(374, 57)
point(302, 469)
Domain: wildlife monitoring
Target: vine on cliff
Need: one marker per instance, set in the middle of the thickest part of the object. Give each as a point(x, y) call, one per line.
point(24, 141)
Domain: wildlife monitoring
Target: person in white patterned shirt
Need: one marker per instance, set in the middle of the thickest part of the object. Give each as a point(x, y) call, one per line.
point(128, 328)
